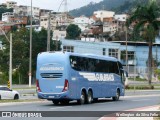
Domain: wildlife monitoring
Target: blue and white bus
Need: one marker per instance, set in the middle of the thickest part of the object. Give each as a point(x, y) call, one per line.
point(64, 76)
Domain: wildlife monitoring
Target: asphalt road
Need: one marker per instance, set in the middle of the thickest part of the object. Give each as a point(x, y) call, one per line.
point(125, 103)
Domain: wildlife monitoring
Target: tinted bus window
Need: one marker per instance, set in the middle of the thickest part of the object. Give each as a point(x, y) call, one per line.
point(93, 65)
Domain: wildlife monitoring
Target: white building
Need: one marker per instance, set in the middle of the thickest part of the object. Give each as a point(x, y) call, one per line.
point(56, 19)
point(109, 28)
point(59, 34)
point(104, 14)
point(121, 17)
point(6, 16)
point(83, 22)
point(26, 11)
point(37, 28)
point(11, 4)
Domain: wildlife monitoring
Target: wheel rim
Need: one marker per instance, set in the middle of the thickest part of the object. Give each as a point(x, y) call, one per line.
point(82, 98)
point(117, 95)
point(89, 97)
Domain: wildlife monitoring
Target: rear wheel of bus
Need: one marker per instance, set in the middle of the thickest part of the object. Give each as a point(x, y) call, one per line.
point(89, 97)
point(82, 98)
point(116, 98)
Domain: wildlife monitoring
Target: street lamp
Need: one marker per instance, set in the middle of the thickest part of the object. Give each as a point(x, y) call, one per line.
point(30, 55)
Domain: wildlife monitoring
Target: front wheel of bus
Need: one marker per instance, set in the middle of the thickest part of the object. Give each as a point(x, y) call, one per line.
point(82, 99)
point(116, 98)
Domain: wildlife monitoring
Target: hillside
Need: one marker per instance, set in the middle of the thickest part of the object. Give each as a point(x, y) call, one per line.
point(119, 6)
point(91, 7)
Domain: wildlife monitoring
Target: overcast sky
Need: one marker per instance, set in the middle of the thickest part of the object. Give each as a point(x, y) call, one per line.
point(53, 4)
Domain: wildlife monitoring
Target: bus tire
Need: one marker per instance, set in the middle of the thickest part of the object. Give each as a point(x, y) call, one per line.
point(116, 98)
point(90, 97)
point(56, 102)
point(81, 101)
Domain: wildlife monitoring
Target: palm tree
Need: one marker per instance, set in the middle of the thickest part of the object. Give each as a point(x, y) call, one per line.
point(146, 22)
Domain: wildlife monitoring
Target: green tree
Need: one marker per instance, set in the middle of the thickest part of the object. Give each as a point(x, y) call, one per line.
point(21, 43)
point(73, 31)
point(147, 25)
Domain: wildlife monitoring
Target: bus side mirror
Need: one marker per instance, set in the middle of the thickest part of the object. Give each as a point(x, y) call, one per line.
point(126, 74)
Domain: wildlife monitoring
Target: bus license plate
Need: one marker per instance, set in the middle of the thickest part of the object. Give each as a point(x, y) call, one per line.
point(51, 97)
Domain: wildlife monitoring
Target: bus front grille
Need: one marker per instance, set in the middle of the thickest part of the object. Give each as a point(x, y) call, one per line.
point(51, 75)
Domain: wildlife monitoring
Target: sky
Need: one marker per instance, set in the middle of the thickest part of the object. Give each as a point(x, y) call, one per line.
point(53, 4)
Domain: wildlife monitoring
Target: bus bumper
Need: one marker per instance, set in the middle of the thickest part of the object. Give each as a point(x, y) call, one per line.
point(52, 96)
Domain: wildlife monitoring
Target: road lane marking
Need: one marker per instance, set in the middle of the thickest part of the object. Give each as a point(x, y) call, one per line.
point(134, 96)
point(141, 100)
point(60, 107)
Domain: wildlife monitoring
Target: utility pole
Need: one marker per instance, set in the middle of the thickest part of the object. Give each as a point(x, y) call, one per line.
point(126, 83)
point(30, 56)
point(10, 62)
point(10, 57)
point(49, 31)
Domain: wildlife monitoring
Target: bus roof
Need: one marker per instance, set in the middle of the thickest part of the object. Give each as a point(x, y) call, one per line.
point(88, 55)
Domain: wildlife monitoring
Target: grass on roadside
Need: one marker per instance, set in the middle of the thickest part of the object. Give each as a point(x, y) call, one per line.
point(140, 87)
point(14, 101)
point(137, 79)
point(24, 88)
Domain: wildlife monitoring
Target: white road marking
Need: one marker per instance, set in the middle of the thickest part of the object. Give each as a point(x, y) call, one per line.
point(60, 107)
point(141, 100)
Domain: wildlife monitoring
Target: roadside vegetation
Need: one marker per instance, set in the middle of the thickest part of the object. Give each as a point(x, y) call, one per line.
point(21, 48)
point(137, 79)
point(11, 101)
point(145, 23)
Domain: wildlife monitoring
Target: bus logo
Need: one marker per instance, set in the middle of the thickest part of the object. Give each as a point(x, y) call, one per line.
point(97, 76)
point(51, 68)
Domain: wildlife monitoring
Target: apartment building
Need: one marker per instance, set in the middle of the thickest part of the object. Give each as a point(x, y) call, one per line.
point(11, 4)
point(11, 18)
point(102, 14)
point(44, 12)
point(83, 22)
point(7, 16)
point(56, 19)
point(121, 17)
point(26, 11)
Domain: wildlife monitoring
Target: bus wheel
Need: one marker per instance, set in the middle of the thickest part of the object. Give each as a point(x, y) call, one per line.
point(116, 98)
point(82, 99)
point(89, 97)
point(55, 102)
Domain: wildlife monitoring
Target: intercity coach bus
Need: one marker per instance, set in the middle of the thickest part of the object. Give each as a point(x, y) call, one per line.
point(64, 76)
